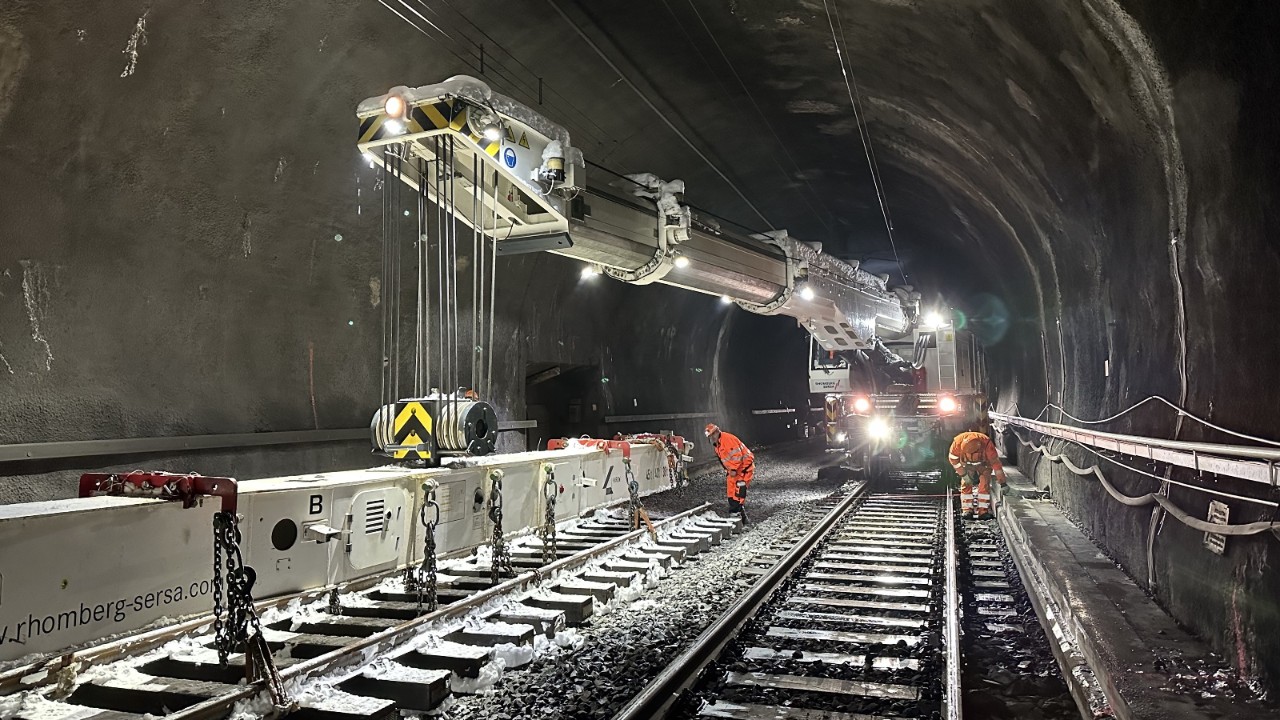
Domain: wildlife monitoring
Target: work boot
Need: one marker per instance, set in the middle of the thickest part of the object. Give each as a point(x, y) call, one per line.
point(735, 507)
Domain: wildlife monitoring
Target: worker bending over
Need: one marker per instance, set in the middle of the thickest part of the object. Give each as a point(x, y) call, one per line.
point(972, 455)
point(738, 462)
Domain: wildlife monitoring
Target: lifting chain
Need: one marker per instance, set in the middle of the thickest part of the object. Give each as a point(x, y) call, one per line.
point(500, 555)
point(235, 623)
point(638, 511)
point(675, 461)
point(426, 580)
point(550, 490)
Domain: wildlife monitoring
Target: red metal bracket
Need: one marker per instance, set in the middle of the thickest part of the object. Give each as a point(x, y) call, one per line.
point(162, 485)
point(675, 440)
point(605, 445)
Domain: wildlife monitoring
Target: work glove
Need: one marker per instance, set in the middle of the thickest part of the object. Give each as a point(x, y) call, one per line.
point(1009, 492)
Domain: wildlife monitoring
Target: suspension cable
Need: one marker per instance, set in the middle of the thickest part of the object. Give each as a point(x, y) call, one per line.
point(476, 270)
point(423, 245)
point(385, 390)
point(493, 286)
point(1157, 398)
point(1149, 498)
point(455, 364)
point(398, 233)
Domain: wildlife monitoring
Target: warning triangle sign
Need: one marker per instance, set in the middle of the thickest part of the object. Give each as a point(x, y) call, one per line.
point(511, 137)
point(524, 140)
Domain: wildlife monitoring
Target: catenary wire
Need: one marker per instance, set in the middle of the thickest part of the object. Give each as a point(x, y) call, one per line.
point(863, 133)
point(662, 116)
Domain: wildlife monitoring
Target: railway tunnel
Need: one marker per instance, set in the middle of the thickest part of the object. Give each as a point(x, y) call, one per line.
point(193, 280)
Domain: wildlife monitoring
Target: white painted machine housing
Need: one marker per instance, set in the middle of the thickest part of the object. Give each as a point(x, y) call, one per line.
point(73, 571)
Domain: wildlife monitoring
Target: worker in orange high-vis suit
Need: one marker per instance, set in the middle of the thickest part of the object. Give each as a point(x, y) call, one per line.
point(973, 455)
point(738, 462)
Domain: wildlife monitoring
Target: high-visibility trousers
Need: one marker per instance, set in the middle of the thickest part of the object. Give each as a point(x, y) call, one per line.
point(732, 480)
point(979, 502)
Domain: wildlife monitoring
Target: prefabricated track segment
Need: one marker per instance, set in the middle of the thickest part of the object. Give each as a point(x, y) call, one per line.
point(377, 651)
point(94, 567)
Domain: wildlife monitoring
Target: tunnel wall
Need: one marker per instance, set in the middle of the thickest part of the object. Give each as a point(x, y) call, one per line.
point(189, 244)
point(1157, 263)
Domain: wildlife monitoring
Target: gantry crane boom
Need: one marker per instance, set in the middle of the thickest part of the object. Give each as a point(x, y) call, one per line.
point(534, 196)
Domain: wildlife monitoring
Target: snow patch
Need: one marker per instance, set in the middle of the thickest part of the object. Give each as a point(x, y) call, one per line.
point(570, 639)
point(512, 655)
point(489, 675)
point(35, 295)
point(136, 41)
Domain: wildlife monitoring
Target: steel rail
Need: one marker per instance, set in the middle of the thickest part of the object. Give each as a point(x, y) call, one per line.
point(951, 628)
point(355, 654)
point(1261, 465)
point(657, 698)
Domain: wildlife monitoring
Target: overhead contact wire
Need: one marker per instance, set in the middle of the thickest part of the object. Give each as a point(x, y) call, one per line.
point(662, 116)
point(812, 194)
point(864, 133)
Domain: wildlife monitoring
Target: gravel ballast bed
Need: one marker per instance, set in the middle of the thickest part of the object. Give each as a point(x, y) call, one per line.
point(630, 644)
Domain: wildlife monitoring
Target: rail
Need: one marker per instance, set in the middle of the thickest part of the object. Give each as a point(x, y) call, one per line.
point(951, 627)
point(656, 699)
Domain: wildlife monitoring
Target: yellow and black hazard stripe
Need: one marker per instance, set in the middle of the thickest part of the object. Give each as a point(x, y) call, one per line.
point(412, 432)
point(832, 408)
point(448, 114)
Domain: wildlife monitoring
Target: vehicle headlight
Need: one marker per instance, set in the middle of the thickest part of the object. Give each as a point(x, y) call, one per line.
point(840, 437)
point(878, 429)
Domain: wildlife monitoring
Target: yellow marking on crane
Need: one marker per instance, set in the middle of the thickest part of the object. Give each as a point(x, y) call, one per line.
point(412, 427)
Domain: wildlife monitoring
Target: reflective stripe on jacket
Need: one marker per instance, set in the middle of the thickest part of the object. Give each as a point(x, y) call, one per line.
point(733, 453)
point(975, 449)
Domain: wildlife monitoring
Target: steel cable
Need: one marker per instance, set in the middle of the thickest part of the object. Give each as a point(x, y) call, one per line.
point(493, 287)
point(1164, 502)
point(661, 115)
point(1181, 413)
point(439, 187)
point(864, 133)
point(476, 268)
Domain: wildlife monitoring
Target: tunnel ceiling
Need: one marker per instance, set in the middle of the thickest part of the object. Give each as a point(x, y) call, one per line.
point(985, 117)
point(1071, 159)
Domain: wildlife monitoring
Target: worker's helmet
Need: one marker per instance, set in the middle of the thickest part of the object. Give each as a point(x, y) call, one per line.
point(711, 429)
